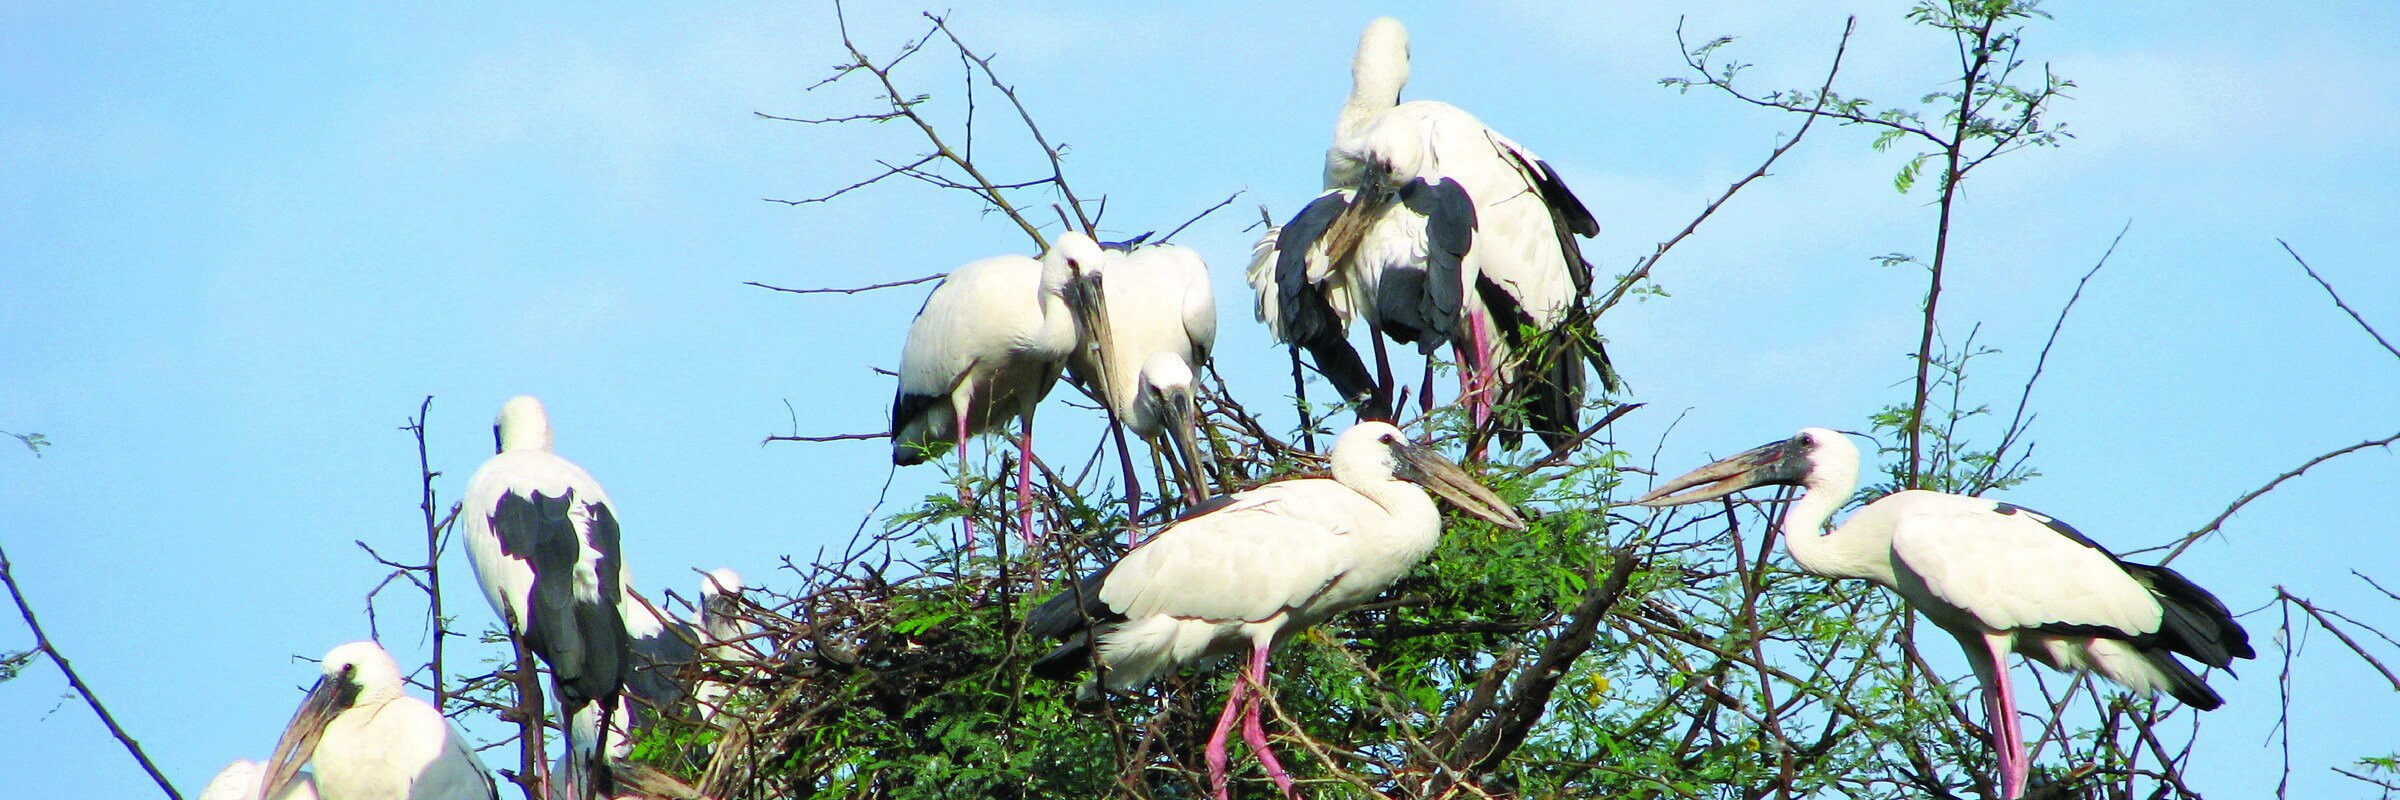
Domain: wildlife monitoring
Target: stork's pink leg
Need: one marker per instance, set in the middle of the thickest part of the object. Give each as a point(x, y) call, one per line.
point(1256, 734)
point(2007, 740)
point(1477, 367)
point(1025, 483)
point(966, 498)
point(1214, 754)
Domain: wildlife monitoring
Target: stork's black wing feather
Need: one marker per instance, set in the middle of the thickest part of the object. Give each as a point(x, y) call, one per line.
point(583, 641)
point(1308, 319)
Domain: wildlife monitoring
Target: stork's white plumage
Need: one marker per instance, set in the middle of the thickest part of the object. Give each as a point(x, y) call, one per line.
point(245, 779)
point(1251, 569)
point(720, 618)
point(370, 740)
point(986, 348)
point(1999, 577)
point(1156, 325)
point(544, 540)
point(1438, 230)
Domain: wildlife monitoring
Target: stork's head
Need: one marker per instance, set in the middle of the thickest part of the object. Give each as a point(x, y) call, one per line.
point(1380, 67)
point(522, 425)
point(1166, 394)
point(1394, 149)
point(1371, 452)
point(1816, 458)
point(354, 674)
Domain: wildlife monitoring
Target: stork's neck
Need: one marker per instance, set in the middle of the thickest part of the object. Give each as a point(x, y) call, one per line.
point(1856, 549)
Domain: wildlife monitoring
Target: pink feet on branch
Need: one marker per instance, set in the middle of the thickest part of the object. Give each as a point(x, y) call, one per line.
point(1249, 688)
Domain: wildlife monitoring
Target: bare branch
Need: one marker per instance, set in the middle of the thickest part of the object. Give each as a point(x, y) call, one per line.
point(1642, 270)
point(851, 290)
point(1197, 217)
point(2337, 300)
point(2188, 539)
point(42, 643)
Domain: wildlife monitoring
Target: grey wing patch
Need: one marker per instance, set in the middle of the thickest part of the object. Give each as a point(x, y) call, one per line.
point(1450, 232)
point(1308, 319)
point(656, 660)
point(584, 642)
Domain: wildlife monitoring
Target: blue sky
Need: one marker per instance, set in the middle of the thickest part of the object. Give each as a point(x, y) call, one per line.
point(241, 245)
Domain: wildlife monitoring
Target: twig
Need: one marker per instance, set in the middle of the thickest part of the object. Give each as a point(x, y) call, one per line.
point(851, 290)
point(433, 553)
point(42, 643)
point(2016, 422)
point(2337, 300)
point(1642, 270)
point(838, 437)
point(1200, 216)
point(2338, 633)
point(2190, 538)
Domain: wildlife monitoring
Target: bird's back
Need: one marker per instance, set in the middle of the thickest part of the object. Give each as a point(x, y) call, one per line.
point(985, 319)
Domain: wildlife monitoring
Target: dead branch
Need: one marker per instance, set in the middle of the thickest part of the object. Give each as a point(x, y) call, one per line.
point(43, 645)
point(2337, 300)
point(2187, 540)
point(1642, 270)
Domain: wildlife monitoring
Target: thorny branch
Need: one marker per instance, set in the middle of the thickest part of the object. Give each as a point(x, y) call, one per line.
point(1641, 270)
point(43, 645)
point(2337, 299)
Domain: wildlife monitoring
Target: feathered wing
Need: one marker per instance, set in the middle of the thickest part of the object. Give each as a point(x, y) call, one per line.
point(2010, 571)
point(1208, 566)
point(2012, 568)
point(1304, 301)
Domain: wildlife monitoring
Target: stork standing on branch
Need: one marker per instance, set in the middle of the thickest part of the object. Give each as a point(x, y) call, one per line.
point(370, 740)
point(986, 348)
point(1249, 570)
point(1149, 333)
point(1437, 230)
point(544, 539)
point(1999, 577)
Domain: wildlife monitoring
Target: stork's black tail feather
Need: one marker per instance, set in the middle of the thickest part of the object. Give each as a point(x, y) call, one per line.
point(2181, 683)
point(2196, 623)
point(1068, 617)
point(1341, 365)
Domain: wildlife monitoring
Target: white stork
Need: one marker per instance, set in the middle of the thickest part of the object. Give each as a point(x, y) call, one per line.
point(370, 740)
point(1999, 577)
point(245, 779)
point(1153, 328)
point(720, 618)
point(1439, 230)
point(662, 646)
point(544, 539)
point(988, 345)
point(1250, 570)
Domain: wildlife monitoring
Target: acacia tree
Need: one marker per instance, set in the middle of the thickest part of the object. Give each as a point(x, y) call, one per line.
point(1601, 652)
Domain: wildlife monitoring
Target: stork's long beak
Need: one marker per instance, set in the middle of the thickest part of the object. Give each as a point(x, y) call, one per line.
point(1181, 422)
point(1779, 463)
point(328, 699)
point(1349, 229)
point(1430, 470)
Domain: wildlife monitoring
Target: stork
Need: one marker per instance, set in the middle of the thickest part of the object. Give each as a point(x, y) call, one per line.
point(720, 618)
point(544, 538)
point(1153, 326)
point(2000, 577)
point(245, 779)
point(370, 740)
point(662, 646)
point(1438, 230)
point(988, 345)
point(1252, 569)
